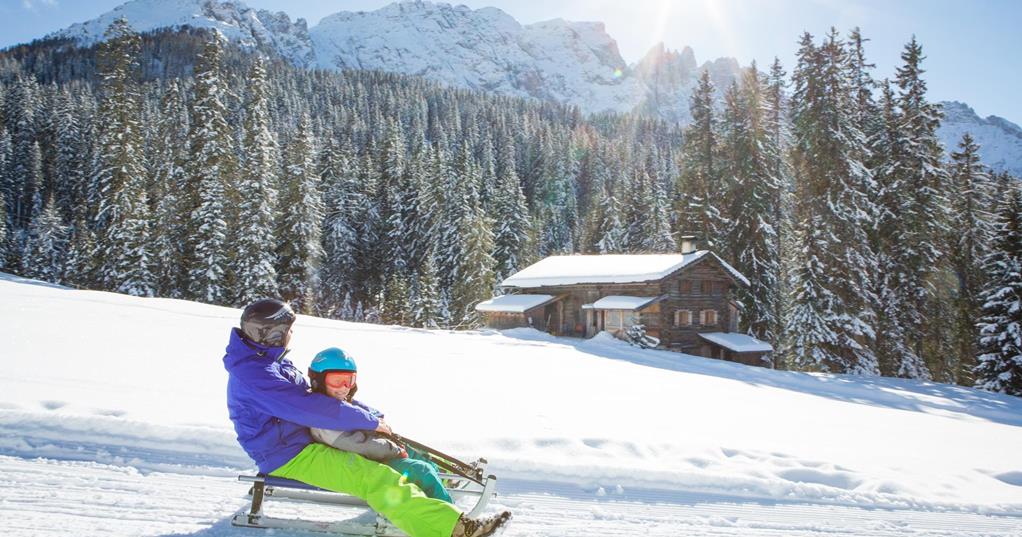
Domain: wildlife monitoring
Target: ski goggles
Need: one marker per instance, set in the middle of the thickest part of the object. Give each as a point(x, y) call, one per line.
point(339, 379)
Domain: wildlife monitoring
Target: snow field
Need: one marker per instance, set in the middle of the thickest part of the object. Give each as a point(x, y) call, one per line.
point(137, 385)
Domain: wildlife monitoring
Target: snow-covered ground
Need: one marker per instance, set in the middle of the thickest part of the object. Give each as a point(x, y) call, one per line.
point(112, 421)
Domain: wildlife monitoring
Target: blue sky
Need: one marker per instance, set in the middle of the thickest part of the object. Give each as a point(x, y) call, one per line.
point(973, 47)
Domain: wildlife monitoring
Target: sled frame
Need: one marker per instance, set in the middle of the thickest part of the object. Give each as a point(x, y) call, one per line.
point(266, 487)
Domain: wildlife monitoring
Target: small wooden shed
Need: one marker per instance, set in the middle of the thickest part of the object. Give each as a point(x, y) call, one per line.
point(513, 311)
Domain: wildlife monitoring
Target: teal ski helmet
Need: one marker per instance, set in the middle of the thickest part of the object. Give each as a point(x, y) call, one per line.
point(332, 359)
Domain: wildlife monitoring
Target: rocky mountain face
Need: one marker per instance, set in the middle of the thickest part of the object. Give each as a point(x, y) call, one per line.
point(1000, 140)
point(238, 22)
point(488, 50)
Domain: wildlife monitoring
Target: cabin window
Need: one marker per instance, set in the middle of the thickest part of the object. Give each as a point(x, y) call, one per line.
point(708, 317)
point(682, 318)
point(685, 287)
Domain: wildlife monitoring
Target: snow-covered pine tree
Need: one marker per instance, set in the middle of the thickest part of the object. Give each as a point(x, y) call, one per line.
point(778, 126)
point(829, 326)
point(892, 345)
point(170, 229)
point(402, 201)
point(122, 220)
point(69, 172)
point(298, 249)
point(4, 238)
point(510, 214)
point(753, 199)
point(253, 261)
point(447, 204)
point(999, 362)
point(699, 181)
point(81, 267)
point(611, 231)
point(370, 257)
point(5, 159)
point(424, 307)
point(923, 210)
point(21, 105)
point(396, 303)
point(475, 277)
point(212, 167)
point(343, 203)
point(470, 265)
point(394, 200)
point(46, 246)
point(557, 199)
point(657, 237)
point(969, 242)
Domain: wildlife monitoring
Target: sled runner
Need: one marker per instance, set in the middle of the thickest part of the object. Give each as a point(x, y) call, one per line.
point(464, 481)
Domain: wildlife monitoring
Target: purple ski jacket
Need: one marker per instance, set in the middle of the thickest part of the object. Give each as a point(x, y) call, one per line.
point(269, 402)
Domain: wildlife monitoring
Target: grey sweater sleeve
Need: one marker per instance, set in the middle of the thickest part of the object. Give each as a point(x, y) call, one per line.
point(365, 443)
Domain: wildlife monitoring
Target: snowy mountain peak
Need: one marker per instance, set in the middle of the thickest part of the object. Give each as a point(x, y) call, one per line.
point(238, 22)
point(484, 49)
point(1000, 140)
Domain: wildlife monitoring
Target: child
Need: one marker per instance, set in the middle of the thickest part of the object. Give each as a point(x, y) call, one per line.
point(333, 373)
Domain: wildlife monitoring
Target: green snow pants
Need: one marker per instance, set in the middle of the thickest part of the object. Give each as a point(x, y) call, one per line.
point(383, 488)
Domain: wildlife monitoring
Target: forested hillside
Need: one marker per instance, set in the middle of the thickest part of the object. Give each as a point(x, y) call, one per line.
point(174, 164)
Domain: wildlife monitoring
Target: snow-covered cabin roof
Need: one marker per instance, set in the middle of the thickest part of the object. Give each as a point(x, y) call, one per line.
point(575, 269)
point(621, 302)
point(737, 342)
point(513, 303)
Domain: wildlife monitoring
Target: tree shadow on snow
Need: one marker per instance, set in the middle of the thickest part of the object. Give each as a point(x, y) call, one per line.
point(913, 395)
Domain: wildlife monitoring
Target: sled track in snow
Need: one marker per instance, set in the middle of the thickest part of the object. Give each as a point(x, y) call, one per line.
point(550, 514)
point(44, 497)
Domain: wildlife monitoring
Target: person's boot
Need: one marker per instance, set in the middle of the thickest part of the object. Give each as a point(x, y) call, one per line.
point(480, 527)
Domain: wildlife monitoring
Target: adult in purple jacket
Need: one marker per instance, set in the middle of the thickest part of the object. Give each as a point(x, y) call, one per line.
point(272, 409)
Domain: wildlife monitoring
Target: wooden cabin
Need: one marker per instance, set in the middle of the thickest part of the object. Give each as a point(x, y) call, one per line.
point(685, 300)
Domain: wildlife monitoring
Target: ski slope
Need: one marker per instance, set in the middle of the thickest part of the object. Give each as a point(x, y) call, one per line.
point(113, 421)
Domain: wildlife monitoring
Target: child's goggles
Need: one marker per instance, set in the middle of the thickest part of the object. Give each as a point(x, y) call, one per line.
point(340, 379)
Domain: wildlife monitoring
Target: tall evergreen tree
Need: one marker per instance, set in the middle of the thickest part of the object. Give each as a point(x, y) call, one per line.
point(657, 236)
point(999, 362)
point(753, 199)
point(343, 202)
point(972, 232)
point(699, 183)
point(171, 211)
point(122, 221)
point(923, 212)
point(46, 246)
point(424, 298)
point(830, 324)
point(24, 168)
point(892, 339)
point(299, 251)
point(71, 184)
point(212, 167)
point(475, 277)
point(5, 157)
point(253, 264)
point(510, 215)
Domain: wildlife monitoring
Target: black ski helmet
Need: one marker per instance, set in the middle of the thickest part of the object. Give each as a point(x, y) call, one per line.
point(267, 322)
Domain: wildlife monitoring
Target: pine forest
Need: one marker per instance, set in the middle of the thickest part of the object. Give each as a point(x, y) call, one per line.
point(175, 164)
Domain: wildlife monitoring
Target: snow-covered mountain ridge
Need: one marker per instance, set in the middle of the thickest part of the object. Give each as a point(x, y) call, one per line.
point(238, 22)
point(486, 49)
point(1000, 141)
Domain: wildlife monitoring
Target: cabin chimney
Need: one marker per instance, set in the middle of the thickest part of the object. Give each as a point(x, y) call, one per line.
point(688, 244)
